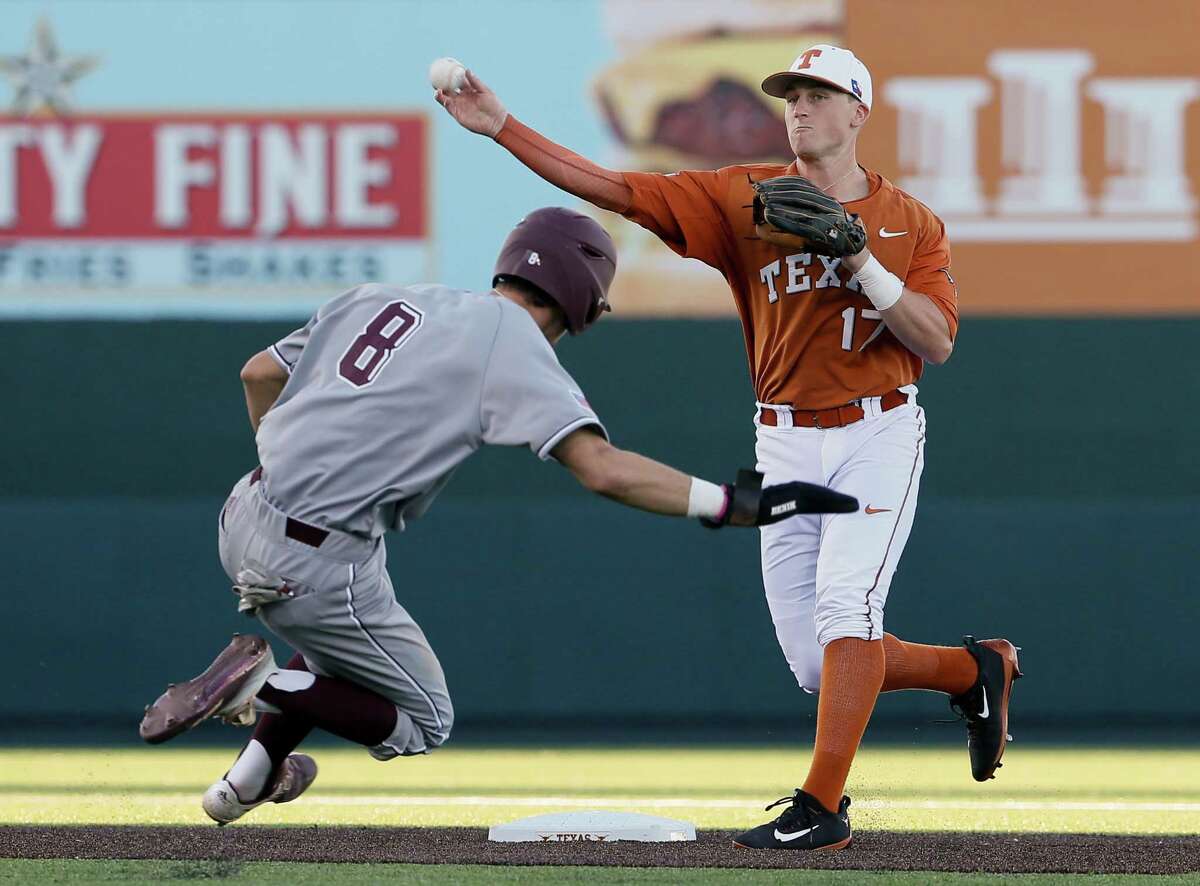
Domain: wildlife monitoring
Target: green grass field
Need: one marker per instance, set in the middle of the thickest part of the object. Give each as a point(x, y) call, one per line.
point(1129, 790)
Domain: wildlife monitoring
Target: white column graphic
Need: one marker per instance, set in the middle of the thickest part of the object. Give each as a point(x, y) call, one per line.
point(938, 139)
point(1041, 111)
point(1144, 143)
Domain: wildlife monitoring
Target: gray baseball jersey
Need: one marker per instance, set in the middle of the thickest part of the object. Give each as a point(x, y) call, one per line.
point(391, 388)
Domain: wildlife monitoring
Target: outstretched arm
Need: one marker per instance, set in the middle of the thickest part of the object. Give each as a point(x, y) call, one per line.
point(479, 110)
point(626, 477)
point(643, 483)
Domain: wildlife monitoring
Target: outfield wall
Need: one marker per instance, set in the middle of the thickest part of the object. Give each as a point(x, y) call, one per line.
point(1060, 507)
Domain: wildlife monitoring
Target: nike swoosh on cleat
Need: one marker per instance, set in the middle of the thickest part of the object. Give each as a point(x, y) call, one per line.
point(871, 510)
point(886, 234)
point(787, 838)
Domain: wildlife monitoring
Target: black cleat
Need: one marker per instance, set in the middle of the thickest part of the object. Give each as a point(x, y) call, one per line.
point(805, 824)
point(985, 705)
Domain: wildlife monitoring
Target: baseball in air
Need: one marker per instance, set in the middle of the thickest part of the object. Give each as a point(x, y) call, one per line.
point(448, 75)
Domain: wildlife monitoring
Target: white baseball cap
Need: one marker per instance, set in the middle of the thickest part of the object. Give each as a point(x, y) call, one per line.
point(838, 67)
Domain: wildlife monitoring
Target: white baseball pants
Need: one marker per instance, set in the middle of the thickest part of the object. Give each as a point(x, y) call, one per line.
point(827, 575)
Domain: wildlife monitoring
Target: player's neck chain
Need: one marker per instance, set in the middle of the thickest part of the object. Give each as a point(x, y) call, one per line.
point(829, 188)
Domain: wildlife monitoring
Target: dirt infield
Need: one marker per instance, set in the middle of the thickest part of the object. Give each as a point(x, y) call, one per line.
point(872, 850)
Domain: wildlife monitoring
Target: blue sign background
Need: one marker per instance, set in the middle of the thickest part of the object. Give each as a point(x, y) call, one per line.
point(539, 56)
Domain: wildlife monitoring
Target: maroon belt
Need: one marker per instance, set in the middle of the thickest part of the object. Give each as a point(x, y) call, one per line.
point(313, 536)
point(835, 416)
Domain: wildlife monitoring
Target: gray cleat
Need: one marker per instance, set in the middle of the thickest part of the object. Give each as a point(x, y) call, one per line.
point(222, 804)
point(226, 689)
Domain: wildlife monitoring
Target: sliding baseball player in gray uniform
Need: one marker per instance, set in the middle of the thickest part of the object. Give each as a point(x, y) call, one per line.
point(361, 417)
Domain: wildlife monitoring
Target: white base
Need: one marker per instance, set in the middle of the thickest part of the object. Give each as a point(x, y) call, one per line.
point(592, 827)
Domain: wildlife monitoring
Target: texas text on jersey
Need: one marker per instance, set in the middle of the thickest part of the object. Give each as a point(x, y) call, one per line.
point(812, 338)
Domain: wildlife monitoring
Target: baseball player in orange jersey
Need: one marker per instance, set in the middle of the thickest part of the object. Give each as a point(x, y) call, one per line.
point(835, 346)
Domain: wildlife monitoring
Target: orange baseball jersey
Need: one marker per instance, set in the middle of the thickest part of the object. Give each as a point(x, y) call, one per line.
point(812, 338)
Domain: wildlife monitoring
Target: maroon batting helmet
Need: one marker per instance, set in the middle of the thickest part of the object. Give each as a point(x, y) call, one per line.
point(566, 255)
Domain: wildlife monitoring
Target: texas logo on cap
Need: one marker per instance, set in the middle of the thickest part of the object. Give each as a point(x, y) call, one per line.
point(837, 67)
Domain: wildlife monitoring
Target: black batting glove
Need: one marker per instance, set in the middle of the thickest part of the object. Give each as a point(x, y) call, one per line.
point(748, 504)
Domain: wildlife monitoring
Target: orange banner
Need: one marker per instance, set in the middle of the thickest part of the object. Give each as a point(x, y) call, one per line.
point(1059, 141)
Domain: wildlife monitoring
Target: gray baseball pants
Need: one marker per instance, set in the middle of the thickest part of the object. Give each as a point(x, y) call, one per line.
point(342, 615)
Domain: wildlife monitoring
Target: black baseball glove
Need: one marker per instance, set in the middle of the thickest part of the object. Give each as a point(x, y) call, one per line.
point(748, 504)
point(791, 211)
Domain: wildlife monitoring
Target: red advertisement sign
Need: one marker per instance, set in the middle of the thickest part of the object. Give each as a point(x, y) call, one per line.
point(202, 175)
point(130, 207)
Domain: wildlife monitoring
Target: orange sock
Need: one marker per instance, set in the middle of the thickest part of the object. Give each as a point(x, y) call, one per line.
point(850, 679)
point(949, 669)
